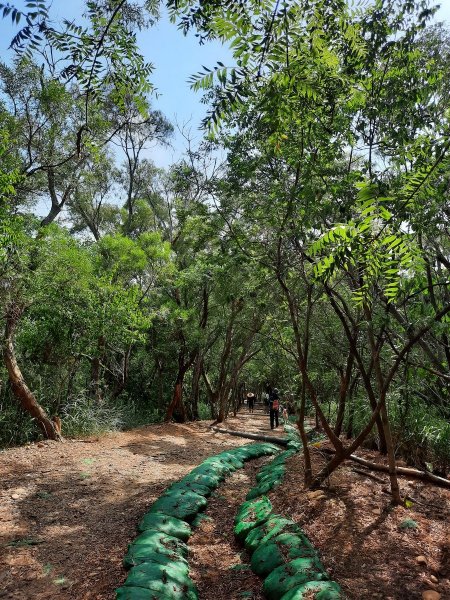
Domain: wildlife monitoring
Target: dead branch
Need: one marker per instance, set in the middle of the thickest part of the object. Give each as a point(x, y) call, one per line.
point(369, 475)
point(253, 436)
point(423, 475)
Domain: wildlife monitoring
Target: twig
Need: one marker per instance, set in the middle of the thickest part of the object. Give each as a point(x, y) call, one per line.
point(367, 474)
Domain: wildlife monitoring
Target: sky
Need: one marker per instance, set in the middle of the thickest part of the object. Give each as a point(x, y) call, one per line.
point(175, 58)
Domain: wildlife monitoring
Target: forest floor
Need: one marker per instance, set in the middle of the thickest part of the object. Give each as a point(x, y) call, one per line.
point(68, 511)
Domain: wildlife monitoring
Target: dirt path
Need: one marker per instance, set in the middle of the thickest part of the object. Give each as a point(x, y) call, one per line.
point(68, 511)
point(219, 565)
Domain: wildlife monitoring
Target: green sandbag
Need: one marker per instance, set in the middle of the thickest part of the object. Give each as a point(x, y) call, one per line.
point(184, 507)
point(281, 458)
point(165, 582)
point(185, 486)
point(320, 590)
point(256, 450)
point(151, 542)
point(262, 488)
point(254, 493)
point(293, 574)
point(165, 524)
point(220, 460)
point(207, 470)
point(272, 527)
point(137, 555)
point(295, 445)
point(271, 472)
point(270, 555)
point(168, 542)
point(251, 514)
point(209, 480)
point(232, 458)
point(293, 538)
point(134, 593)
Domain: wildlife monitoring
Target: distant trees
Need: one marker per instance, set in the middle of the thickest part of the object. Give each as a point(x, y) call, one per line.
point(316, 258)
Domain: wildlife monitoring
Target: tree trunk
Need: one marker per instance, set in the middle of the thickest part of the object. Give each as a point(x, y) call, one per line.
point(304, 438)
point(395, 490)
point(96, 370)
point(176, 406)
point(196, 376)
point(365, 373)
point(375, 348)
point(343, 391)
point(21, 391)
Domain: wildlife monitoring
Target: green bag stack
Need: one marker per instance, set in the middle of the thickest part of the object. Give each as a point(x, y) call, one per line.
point(157, 558)
point(281, 552)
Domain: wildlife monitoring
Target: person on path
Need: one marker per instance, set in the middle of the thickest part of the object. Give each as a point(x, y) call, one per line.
point(250, 401)
point(274, 408)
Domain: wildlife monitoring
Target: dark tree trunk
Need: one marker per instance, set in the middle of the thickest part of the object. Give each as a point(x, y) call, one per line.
point(176, 409)
point(343, 391)
point(196, 376)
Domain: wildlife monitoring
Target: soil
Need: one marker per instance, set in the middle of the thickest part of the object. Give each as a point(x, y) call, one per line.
point(219, 565)
point(68, 511)
point(357, 530)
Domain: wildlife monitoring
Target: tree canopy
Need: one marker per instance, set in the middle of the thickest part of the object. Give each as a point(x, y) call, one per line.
point(314, 258)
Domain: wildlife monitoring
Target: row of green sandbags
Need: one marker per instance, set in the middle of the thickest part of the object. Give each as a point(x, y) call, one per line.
point(280, 550)
point(157, 558)
point(282, 554)
point(271, 475)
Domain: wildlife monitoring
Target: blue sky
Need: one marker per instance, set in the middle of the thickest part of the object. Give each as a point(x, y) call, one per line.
point(175, 58)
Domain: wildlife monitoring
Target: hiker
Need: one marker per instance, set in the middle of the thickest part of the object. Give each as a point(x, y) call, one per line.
point(274, 407)
point(250, 401)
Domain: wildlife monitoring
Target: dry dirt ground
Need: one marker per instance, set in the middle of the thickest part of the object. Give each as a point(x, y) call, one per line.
point(68, 511)
point(358, 531)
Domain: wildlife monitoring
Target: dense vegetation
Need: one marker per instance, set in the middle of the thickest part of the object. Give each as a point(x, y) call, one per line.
point(315, 258)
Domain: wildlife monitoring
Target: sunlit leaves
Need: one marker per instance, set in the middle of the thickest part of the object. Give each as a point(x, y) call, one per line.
point(100, 56)
point(372, 247)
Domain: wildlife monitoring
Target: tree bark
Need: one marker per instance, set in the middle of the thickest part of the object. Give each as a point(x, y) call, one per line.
point(343, 391)
point(375, 348)
point(21, 391)
point(304, 438)
point(176, 405)
point(253, 436)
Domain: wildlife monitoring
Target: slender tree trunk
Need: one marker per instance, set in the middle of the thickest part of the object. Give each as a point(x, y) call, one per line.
point(304, 438)
point(365, 375)
point(121, 383)
point(395, 490)
point(96, 370)
point(21, 391)
point(351, 409)
point(223, 404)
point(375, 348)
point(176, 406)
point(159, 370)
point(343, 391)
point(196, 376)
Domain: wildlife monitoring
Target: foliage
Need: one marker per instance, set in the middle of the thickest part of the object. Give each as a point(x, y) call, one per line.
point(314, 259)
